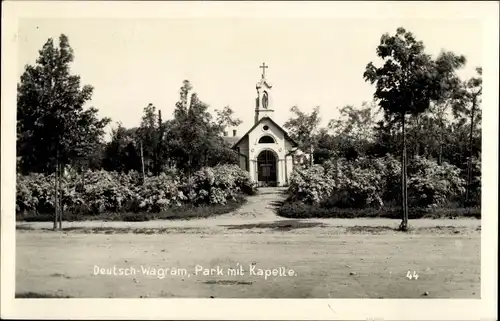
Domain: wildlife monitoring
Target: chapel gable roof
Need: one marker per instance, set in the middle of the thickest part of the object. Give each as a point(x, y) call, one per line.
point(275, 124)
point(231, 140)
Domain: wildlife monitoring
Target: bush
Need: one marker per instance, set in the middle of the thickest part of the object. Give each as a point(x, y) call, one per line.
point(475, 188)
point(310, 185)
point(95, 192)
point(217, 185)
point(35, 193)
point(431, 184)
point(184, 211)
point(371, 182)
point(360, 182)
point(339, 183)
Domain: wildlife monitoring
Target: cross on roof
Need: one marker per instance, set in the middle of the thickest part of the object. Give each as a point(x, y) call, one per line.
point(263, 69)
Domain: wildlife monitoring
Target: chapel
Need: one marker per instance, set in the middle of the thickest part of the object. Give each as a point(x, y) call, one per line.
point(266, 150)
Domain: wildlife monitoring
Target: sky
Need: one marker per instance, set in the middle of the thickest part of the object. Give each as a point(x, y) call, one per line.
point(312, 62)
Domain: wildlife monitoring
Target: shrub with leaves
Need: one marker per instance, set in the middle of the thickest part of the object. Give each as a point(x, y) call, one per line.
point(216, 185)
point(476, 181)
point(431, 184)
point(369, 182)
point(362, 182)
point(157, 194)
point(358, 183)
point(96, 192)
point(310, 185)
point(35, 193)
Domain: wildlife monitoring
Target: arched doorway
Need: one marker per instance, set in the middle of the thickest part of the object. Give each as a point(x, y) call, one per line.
point(266, 166)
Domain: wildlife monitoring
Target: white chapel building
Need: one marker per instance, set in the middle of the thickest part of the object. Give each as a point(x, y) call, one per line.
point(266, 151)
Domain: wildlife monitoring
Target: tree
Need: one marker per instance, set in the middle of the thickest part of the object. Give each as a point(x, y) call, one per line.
point(225, 118)
point(446, 64)
point(122, 152)
point(192, 129)
point(53, 128)
point(194, 138)
point(407, 83)
point(303, 128)
point(354, 130)
point(159, 146)
point(148, 135)
point(326, 146)
point(467, 105)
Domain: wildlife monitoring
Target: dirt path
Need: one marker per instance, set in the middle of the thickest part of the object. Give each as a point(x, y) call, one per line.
point(259, 211)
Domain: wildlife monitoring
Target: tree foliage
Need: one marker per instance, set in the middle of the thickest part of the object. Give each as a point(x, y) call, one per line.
point(303, 127)
point(122, 152)
point(225, 118)
point(194, 137)
point(407, 83)
point(188, 141)
point(410, 79)
point(354, 130)
point(52, 123)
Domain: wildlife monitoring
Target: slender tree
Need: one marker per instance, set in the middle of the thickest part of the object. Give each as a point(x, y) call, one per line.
point(54, 128)
point(148, 136)
point(406, 83)
point(159, 145)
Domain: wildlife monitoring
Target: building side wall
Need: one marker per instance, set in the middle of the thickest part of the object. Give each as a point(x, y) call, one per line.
point(243, 149)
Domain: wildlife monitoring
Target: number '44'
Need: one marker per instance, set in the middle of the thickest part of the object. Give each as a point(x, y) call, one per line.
point(412, 276)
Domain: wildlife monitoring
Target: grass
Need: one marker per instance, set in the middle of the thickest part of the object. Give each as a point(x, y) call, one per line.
point(183, 212)
point(301, 210)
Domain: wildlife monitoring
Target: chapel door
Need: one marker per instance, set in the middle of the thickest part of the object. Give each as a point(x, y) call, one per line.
point(266, 162)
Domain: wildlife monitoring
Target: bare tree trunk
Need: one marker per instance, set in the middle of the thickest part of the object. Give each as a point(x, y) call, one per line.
point(159, 147)
point(441, 138)
point(56, 207)
point(417, 136)
point(337, 171)
point(142, 162)
point(60, 196)
point(404, 198)
point(469, 162)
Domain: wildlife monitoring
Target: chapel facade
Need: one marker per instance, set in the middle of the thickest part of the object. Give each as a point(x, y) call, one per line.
point(266, 150)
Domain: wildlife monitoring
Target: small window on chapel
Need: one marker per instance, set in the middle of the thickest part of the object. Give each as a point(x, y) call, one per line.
point(265, 127)
point(266, 140)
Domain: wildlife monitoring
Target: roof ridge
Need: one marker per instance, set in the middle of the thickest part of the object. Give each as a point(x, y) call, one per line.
point(258, 122)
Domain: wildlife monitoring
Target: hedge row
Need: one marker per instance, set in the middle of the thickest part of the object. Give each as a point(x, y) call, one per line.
point(373, 182)
point(97, 192)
